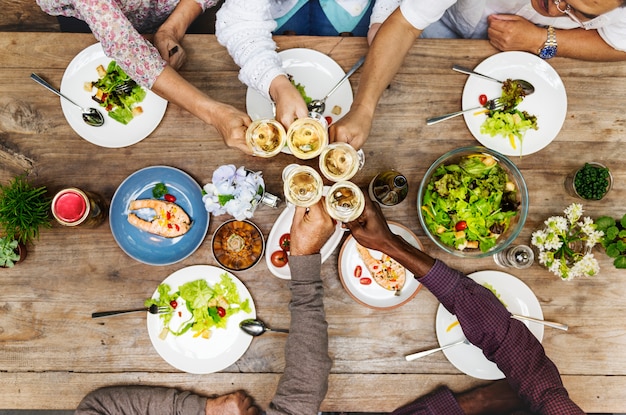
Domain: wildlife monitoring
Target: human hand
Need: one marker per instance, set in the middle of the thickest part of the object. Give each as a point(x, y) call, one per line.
point(510, 32)
point(170, 48)
point(353, 128)
point(310, 229)
point(237, 403)
point(289, 102)
point(370, 229)
point(232, 125)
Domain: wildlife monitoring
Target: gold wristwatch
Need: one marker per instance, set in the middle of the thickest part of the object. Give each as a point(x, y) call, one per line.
point(549, 48)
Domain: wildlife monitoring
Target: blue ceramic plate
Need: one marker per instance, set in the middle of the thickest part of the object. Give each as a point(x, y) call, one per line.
point(146, 247)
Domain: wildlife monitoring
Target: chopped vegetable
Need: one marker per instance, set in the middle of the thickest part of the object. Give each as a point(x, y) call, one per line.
point(507, 121)
point(209, 307)
point(476, 191)
point(591, 182)
point(122, 106)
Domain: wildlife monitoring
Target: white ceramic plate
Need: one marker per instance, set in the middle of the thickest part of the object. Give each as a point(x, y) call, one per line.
point(548, 102)
point(374, 295)
point(282, 226)
point(198, 355)
point(112, 134)
point(318, 73)
point(468, 358)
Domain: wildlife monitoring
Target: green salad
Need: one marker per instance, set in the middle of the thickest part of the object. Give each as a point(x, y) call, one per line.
point(469, 205)
point(508, 121)
point(207, 307)
point(121, 106)
point(307, 99)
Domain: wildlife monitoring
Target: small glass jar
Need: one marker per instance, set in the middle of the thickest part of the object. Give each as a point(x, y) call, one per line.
point(74, 207)
point(590, 182)
point(388, 188)
point(517, 256)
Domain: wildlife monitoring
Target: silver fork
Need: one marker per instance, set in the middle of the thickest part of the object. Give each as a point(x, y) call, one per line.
point(153, 309)
point(492, 104)
point(125, 87)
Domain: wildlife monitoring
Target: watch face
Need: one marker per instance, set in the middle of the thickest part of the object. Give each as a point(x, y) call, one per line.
point(547, 52)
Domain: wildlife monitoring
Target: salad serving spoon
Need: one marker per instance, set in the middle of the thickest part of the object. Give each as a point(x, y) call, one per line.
point(153, 309)
point(256, 327)
point(91, 116)
point(527, 87)
point(319, 105)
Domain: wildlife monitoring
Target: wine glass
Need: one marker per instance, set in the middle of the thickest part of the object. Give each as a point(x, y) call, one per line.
point(345, 201)
point(303, 185)
point(266, 137)
point(307, 137)
point(339, 161)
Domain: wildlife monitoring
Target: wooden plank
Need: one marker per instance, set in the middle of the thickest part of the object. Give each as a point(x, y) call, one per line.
point(25, 15)
point(349, 393)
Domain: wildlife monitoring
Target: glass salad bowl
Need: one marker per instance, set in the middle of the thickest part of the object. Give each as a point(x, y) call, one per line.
point(472, 202)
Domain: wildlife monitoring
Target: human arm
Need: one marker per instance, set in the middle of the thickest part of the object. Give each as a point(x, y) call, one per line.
point(386, 54)
point(245, 28)
point(485, 321)
point(510, 32)
point(148, 400)
point(303, 385)
point(230, 122)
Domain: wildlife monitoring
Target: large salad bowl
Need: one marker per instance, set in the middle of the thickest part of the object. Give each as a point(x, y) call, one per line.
point(472, 202)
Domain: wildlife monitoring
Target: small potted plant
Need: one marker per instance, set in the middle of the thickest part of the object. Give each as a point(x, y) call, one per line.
point(11, 252)
point(614, 240)
point(24, 210)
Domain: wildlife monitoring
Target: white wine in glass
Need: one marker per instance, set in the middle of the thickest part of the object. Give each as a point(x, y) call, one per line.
point(303, 185)
point(307, 137)
point(266, 137)
point(345, 201)
point(339, 161)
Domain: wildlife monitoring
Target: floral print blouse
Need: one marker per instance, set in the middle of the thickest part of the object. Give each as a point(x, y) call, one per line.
point(117, 24)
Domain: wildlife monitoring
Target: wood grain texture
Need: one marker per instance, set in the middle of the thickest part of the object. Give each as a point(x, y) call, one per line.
point(52, 353)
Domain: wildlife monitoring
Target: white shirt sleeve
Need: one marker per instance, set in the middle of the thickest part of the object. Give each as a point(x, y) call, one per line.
point(421, 13)
point(382, 9)
point(244, 28)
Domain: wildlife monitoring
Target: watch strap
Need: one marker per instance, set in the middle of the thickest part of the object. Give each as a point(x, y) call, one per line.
point(550, 46)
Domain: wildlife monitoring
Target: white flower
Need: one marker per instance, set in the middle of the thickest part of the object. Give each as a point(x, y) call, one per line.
point(557, 244)
point(235, 191)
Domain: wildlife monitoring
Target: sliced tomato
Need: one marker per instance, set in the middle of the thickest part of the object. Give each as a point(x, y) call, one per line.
point(285, 241)
point(170, 198)
point(460, 225)
point(358, 271)
point(279, 258)
point(365, 281)
point(482, 99)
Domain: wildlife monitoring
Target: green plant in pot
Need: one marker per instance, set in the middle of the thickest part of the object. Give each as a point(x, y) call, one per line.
point(24, 210)
point(614, 240)
point(10, 252)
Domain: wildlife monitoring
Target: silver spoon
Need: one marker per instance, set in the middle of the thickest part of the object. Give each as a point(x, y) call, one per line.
point(257, 327)
point(319, 105)
point(414, 356)
point(527, 87)
point(91, 116)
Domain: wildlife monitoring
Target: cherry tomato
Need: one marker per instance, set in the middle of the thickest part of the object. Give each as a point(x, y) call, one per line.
point(173, 303)
point(328, 119)
point(285, 241)
point(279, 258)
point(365, 281)
point(482, 99)
point(170, 198)
point(358, 271)
point(221, 312)
point(460, 225)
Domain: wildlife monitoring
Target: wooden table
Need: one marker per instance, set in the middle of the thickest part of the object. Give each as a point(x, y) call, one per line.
point(52, 353)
